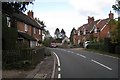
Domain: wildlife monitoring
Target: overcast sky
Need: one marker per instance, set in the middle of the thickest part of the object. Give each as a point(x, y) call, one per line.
point(67, 14)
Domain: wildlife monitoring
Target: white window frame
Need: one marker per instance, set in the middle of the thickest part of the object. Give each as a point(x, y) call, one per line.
point(95, 30)
point(34, 30)
point(39, 32)
point(26, 27)
point(79, 33)
point(84, 32)
point(8, 22)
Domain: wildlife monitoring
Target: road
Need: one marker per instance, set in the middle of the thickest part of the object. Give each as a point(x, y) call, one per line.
point(84, 64)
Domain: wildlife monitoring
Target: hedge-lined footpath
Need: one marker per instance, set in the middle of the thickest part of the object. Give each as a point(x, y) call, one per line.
point(105, 47)
point(24, 58)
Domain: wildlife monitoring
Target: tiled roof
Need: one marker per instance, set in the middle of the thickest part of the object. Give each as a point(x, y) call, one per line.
point(102, 23)
point(26, 19)
point(87, 26)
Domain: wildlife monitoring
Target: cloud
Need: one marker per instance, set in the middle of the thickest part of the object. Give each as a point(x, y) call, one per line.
point(75, 17)
point(66, 20)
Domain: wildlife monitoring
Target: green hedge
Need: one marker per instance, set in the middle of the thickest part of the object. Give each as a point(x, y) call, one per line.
point(117, 49)
point(105, 46)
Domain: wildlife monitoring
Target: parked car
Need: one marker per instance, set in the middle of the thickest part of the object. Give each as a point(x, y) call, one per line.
point(86, 43)
point(53, 45)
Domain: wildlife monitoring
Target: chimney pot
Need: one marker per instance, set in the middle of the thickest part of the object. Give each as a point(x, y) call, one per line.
point(90, 19)
point(111, 15)
point(30, 13)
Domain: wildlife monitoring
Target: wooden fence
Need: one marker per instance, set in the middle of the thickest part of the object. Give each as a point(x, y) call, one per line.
point(22, 58)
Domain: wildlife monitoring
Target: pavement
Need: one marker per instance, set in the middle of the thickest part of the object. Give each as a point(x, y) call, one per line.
point(45, 69)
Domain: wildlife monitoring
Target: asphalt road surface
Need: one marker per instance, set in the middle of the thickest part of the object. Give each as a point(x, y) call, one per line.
point(84, 64)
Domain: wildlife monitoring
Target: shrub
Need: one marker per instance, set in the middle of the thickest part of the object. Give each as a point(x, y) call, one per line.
point(117, 49)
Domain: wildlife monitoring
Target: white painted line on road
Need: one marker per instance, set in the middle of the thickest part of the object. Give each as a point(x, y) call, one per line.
point(102, 65)
point(64, 50)
point(81, 55)
point(58, 60)
point(59, 75)
point(72, 52)
point(68, 51)
point(59, 69)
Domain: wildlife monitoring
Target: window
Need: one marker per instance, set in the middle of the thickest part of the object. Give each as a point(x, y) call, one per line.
point(95, 30)
point(78, 33)
point(8, 22)
point(34, 31)
point(39, 31)
point(26, 27)
point(84, 32)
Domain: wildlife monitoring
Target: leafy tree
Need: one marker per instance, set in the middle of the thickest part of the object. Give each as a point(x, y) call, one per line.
point(62, 31)
point(63, 34)
point(71, 35)
point(116, 32)
point(11, 7)
point(116, 7)
point(57, 33)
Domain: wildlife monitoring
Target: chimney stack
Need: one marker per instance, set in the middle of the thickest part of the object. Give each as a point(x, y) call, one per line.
point(90, 19)
point(30, 13)
point(111, 15)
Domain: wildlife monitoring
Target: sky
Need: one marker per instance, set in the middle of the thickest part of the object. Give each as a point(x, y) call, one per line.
point(66, 14)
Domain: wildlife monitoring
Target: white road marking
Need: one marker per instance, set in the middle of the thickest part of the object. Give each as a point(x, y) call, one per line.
point(102, 65)
point(59, 69)
point(81, 55)
point(59, 75)
point(58, 60)
point(64, 50)
point(68, 51)
point(72, 52)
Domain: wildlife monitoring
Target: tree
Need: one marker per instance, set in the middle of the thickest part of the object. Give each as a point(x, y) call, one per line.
point(71, 35)
point(11, 7)
point(62, 31)
point(63, 34)
point(116, 7)
point(116, 32)
point(57, 33)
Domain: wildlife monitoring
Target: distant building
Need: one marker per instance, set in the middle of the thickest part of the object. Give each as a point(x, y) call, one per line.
point(94, 30)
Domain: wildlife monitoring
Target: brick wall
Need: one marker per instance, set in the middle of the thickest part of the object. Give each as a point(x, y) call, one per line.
point(20, 26)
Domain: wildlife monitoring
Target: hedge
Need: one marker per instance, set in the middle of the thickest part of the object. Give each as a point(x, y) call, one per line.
point(106, 47)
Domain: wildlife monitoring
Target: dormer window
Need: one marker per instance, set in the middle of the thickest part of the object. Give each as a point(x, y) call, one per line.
point(95, 30)
point(8, 22)
point(78, 33)
point(34, 31)
point(84, 33)
point(39, 32)
point(26, 27)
